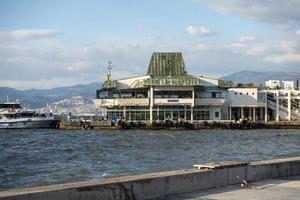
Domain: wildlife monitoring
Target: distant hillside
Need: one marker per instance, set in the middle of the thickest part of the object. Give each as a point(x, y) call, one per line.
point(261, 77)
point(36, 98)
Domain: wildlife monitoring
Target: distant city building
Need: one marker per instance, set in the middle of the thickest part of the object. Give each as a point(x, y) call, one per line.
point(168, 92)
point(73, 105)
point(288, 85)
point(273, 84)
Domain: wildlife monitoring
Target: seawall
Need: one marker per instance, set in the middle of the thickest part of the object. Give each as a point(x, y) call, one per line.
point(105, 125)
point(158, 185)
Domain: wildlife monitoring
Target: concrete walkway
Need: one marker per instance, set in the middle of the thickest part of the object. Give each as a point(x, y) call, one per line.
point(287, 189)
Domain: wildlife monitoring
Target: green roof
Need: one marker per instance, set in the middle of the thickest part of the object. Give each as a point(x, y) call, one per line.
point(109, 85)
point(208, 88)
point(225, 84)
point(173, 81)
point(166, 64)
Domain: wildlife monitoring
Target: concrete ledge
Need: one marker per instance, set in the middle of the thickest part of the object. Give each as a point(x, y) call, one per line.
point(158, 185)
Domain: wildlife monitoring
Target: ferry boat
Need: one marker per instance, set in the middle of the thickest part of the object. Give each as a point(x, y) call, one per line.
point(13, 116)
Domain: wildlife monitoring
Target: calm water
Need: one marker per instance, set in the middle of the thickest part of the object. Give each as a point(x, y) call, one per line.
point(42, 157)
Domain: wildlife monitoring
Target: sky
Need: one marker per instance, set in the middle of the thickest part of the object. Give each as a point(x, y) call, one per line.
point(46, 44)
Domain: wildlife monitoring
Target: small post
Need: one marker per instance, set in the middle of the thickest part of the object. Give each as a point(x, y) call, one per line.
point(277, 106)
point(266, 107)
point(289, 105)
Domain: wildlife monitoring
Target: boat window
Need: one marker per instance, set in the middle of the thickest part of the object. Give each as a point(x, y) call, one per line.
point(10, 105)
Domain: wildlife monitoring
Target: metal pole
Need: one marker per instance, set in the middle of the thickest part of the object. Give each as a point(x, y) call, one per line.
point(277, 107)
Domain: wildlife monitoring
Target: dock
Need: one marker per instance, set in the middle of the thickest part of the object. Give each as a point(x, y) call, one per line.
point(266, 179)
point(106, 125)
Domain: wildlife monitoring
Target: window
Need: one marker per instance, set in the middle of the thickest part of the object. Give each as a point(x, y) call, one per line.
point(241, 93)
point(115, 95)
point(252, 93)
point(200, 115)
point(103, 95)
point(217, 114)
point(235, 93)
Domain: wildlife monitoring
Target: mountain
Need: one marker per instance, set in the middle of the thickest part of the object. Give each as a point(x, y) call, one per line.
point(36, 98)
point(261, 77)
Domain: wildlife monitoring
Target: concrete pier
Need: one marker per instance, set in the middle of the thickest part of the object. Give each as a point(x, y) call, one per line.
point(225, 124)
point(162, 184)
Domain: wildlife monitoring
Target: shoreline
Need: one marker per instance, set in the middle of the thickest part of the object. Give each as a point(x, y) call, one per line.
point(96, 125)
point(161, 184)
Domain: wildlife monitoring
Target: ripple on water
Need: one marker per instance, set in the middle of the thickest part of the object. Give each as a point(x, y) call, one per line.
point(42, 157)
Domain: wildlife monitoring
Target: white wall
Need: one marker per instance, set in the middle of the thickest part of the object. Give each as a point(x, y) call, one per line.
point(273, 84)
point(212, 111)
point(178, 101)
point(242, 97)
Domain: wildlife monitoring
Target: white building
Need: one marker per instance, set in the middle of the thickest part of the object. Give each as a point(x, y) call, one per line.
point(273, 84)
point(288, 85)
point(168, 92)
point(246, 103)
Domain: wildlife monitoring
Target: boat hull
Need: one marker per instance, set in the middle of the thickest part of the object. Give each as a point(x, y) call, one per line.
point(28, 124)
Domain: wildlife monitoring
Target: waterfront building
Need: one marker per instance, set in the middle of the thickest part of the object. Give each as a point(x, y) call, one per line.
point(168, 92)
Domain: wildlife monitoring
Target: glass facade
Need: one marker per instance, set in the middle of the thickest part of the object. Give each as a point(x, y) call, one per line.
point(172, 94)
point(132, 113)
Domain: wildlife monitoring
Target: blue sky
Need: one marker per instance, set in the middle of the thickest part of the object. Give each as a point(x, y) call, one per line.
point(46, 44)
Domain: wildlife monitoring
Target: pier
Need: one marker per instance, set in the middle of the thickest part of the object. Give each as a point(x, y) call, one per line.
point(161, 125)
point(267, 179)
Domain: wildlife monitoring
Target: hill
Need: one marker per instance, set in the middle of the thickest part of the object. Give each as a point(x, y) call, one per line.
point(36, 98)
point(261, 77)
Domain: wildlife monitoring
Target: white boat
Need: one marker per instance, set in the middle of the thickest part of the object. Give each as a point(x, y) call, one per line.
point(12, 116)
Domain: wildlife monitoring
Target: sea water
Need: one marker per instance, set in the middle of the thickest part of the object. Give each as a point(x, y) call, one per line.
point(42, 157)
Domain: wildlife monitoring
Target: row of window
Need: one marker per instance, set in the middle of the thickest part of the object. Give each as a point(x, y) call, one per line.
point(240, 93)
point(157, 94)
point(161, 115)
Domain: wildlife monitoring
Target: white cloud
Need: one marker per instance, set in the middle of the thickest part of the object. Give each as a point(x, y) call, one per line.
point(258, 49)
point(200, 47)
point(291, 44)
point(247, 38)
point(46, 65)
point(287, 58)
point(253, 49)
point(199, 31)
point(23, 34)
point(270, 11)
point(42, 83)
point(287, 51)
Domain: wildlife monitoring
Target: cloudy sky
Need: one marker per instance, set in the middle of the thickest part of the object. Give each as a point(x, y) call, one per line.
point(45, 44)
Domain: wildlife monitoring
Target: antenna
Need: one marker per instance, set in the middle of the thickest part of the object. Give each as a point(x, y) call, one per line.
point(109, 69)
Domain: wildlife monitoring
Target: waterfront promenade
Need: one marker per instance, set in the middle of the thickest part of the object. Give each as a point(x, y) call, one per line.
point(271, 189)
